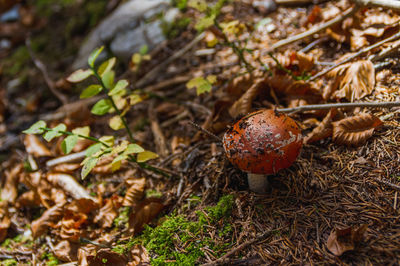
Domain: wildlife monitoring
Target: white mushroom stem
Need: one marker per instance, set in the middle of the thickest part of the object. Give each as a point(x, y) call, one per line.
point(258, 183)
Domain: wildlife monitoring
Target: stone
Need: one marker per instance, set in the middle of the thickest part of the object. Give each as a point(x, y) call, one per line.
point(125, 30)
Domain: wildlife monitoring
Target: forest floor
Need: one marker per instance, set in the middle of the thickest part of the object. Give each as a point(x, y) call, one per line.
point(337, 204)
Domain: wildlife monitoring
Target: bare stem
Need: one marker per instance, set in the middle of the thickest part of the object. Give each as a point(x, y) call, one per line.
point(258, 183)
point(390, 4)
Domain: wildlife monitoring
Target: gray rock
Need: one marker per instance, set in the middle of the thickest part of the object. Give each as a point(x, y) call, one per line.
point(125, 30)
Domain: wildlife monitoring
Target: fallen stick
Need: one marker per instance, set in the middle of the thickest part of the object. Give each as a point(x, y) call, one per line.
point(362, 51)
point(224, 258)
point(314, 30)
point(338, 105)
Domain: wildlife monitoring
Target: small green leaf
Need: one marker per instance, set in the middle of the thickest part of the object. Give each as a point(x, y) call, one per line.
point(69, 143)
point(109, 140)
point(101, 107)
point(136, 58)
point(202, 85)
point(88, 166)
point(55, 132)
point(91, 91)
point(116, 123)
point(133, 148)
point(36, 128)
point(106, 66)
point(145, 156)
point(108, 79)
point(212, 78)
point(93, 149)
point(93, 56)
point(119, 158)
point(79, 75)
point(205, 22)
point(84, 131)
point(121, 85)
point(144, 50)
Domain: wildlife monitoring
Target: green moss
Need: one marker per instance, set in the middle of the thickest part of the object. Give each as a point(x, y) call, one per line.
point(122, 218)
point(181, 4)
point(177, 230)
point(150, 193)
point(9, 262)
point(51, 260)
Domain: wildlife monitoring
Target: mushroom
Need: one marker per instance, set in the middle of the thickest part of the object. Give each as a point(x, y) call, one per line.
point(262, 143)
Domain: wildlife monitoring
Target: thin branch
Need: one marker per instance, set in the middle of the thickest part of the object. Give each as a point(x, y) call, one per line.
point(242, 246)
point(362, 51)
point(42, 68)
point(386, 52)
point(315, 29)
point(205, 131)
point(390, 4)
point(338, 105)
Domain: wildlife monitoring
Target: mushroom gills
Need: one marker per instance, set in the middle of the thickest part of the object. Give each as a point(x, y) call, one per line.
point(258, 183)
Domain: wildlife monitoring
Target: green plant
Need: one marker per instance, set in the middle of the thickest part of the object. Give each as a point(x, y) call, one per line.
point(116, 100)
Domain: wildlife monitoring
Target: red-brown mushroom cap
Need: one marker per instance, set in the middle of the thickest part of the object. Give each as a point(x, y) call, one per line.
point(263, 142)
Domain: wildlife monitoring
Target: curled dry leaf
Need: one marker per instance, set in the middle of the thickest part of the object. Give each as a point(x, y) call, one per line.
point(107, 257)
point(134, 192)
point(323, 130)
point(9, 191)
point(69, 184)
point(82, 205)
point(352, 80)
point(28, 199)
point(108, 212)
point(146, 211)
point(71, 225)
point(34, 146)
point(342, 240)
point(243, 105)
point(5, 221)
point(355, 130)
point(66, 251)
point(48, 219)
point(139, 256)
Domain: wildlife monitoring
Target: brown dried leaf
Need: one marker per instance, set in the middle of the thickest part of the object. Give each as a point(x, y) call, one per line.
point(146, 211)
point(107, 257)
point(66, 251)
point(108, 212)
point(355, 130)
point(82, 205)
point(5, 221)
point(71, 225)
point(48, 219)
point(342, 240)
point(69, 184)
point(34, 146)
point(135, 191)
point(9, 191)
point(28, 199)
point(353, 80)
point(323, 130)
point(243, 105)
point(139, 255)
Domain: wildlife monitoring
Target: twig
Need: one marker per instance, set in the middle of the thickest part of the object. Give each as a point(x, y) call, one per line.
point(386, 52)
point(388, 183)
point(66, 159)
point(164, 64)
point(391, 4)
point(362, 51)
point(205, 131)
point(314, 30)
point(338, 105)
point(50, 83)
point(224, 258)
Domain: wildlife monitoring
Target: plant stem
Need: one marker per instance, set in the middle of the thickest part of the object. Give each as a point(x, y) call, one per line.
point(148, 167)
point(96, 74)
point(79, 135)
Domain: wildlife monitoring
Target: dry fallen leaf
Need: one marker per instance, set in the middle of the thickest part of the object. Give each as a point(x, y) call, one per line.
point(5, 221)
point(353, 80)
point(71, 225)
point(134, 192)
point(69, 184)
point(66, 251)
point(355, 130)
point(34, 146)
point(108, 212)
point(139, 256)
point(9, 190)
point(243, 105)
point(323, 130)
point(147, 211)
point(342, 240)
point(48, 219)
